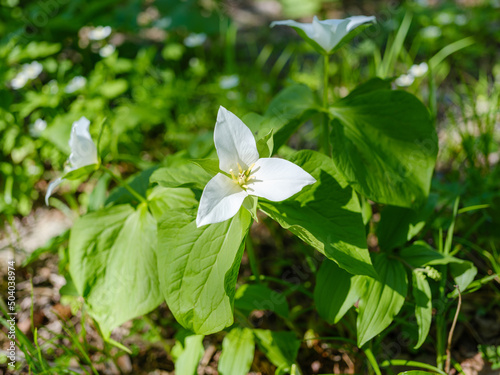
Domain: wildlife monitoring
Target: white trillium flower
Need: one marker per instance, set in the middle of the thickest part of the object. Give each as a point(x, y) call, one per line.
point(32, 70)
point(83, 152)
point(270, 178)
point(418, 70)
point(100, 32)
point(327, 34)
point(75, 84)
point(405, 80)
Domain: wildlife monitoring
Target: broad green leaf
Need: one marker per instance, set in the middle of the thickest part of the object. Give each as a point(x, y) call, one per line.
point(187, 362)
point(373, 84)
point(280, 347)
point(398, 224)
point(211, 166)
point(420, 255)
point(325, 215)
point(385, 144)
point(287, 111)
point(199, 266)
point(139, 182)
point(113, 264)
point(265, 145)
point(251, 297)
point(188, 175)
point(382, 298)
point(423, 305)
point(161, 199)
point(81, 172)
point(238, 348)
point(336, 291)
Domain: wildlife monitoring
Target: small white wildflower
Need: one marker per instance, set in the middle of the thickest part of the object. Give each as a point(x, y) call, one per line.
point(19, 81)
point(32, 70)
point(405, 80)
point(444, 18)
point(418, 70)
point(38, 127)
point(431, 32)
point(75, 84)
point(195, 40)
point(107, 50)
point(460, 19)
point(229, 82)
point(100, 32)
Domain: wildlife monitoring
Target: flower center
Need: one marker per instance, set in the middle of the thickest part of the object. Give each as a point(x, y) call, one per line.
point(243, 176)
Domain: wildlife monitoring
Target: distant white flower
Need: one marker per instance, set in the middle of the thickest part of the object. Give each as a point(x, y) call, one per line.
point(482, 105)
point(32, 70)
point(327, 34)
point(460, 19)
point(444, 18)
point(270, 178)
point(100, 32)
point(107, 50)
point(19, 81)
point(229, 82)
point(405, 80)
point(75, 84)
point(83, 152)
point(431, 32)
point(38, 127)
point(195, 40)
point(418, 70)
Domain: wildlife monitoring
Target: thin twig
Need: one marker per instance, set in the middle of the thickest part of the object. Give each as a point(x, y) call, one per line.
point(450, 336)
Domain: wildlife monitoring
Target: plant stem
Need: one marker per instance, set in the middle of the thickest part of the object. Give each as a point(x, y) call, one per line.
point(452, 329)
point(252, 259)
point(371, 358)
point(123, 184)
point(326, 117)
point(404, 362)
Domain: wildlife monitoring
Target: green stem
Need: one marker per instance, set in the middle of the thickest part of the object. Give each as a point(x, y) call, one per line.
point(372, 360)
point(252, 259)
point(123, 184)
point(404, 362)
point(326, 117)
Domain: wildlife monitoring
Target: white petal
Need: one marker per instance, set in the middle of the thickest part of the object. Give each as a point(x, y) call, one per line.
point(83, 149)
point(234, 142)
point(277, 179)
point(221, 200)
point(51, 188)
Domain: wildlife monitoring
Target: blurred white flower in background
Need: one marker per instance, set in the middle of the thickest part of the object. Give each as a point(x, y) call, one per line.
point(100, 32)
point(460, 19)
point(444, 18)
point(32, 70)
point(405, 80)
point(53, 87)
point(29, 71)
point(195, 40)
point(107, 50)
point(19, 81)
point(430, 32)
point(229, 82)
point(75, 84)
point(418, 70)
point(38, 127)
